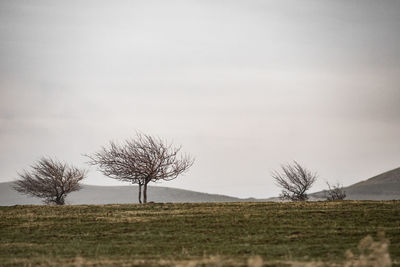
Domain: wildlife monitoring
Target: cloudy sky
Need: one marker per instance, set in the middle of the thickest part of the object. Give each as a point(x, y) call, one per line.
point(242, 85)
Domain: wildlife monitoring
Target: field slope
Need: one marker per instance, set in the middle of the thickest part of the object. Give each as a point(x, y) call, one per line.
point(167, 234)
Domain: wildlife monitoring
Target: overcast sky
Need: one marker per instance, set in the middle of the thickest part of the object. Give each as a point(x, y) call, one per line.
point(242, 85)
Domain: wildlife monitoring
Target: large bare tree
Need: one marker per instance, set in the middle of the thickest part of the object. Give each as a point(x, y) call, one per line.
point(294, 180)
point(50, 180)
point(141, 160)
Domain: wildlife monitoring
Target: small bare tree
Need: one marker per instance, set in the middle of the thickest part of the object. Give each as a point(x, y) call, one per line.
point(294, 180)
point(50, 180)
point(141, 160)
point(335, 192)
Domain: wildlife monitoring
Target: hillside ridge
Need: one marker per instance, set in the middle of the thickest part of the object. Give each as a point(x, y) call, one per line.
point(384, 186)
point(125, 194)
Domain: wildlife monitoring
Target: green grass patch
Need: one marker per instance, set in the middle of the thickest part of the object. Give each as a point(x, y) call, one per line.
point(166, 234)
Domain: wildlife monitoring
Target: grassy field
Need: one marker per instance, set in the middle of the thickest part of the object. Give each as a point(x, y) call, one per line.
point(183, 234)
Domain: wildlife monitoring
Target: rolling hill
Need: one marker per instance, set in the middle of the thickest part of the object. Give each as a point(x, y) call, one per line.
point(92, 194)
point(385, 186)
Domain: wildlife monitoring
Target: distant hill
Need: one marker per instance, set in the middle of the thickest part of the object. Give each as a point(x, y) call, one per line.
point(92, 194)
point(385, 186)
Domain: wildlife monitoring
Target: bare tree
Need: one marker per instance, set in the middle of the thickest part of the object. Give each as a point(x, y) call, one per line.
point(335, 192)
point(294, 180)
point(141, 160)
point(50, 180)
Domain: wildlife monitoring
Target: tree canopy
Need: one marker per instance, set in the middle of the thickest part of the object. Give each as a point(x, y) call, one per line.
point(141, 160)
point(50, 180)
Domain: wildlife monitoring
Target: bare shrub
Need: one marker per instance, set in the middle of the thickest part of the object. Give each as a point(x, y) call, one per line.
point(335, 192)
point(141, 160)
point(295, 181)
point(51, 180)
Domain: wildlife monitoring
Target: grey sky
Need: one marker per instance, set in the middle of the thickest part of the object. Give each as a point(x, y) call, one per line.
point(243, 85)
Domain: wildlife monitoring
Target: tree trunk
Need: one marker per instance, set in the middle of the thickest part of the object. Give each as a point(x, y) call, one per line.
point(145, 193)
point(140, 193)
point(60, 201)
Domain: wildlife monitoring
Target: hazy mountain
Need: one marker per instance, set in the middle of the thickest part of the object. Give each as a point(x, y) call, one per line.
point(91, 194)
point(385, 186)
